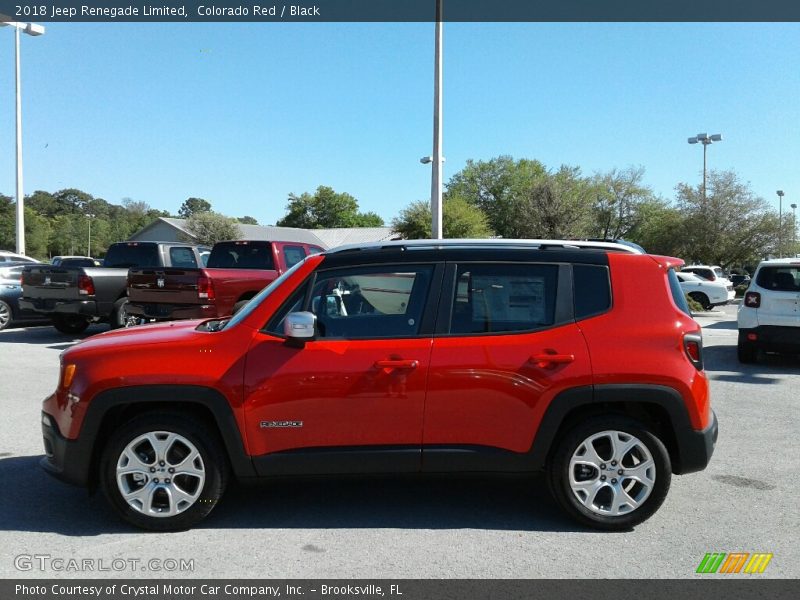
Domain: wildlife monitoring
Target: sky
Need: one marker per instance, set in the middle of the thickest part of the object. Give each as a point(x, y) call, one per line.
point(245, 114)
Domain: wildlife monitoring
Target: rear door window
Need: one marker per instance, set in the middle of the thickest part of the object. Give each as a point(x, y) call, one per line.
point(293, 255)
point(496, 298)
point(182, 257)
point(592, 290)
point(241, 255)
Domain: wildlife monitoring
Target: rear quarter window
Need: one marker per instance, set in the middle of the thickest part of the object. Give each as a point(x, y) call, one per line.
point(677, 292)
point(592, 290)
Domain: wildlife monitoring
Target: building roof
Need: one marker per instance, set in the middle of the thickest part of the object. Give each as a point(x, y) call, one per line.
point(327, 238)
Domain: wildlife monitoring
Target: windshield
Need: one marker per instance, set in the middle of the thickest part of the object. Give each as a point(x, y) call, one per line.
point(780, 278)
point(259, 298)
point(719, 272)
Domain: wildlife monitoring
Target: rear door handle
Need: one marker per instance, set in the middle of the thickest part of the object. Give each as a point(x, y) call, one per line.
point(397, 364)
point(551, 360)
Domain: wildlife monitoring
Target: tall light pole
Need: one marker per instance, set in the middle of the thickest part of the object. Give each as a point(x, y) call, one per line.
point(706, 140)
point(780, 223)
point(436, 159)
point(794, 230)
point(30, 29)
point(89, 245)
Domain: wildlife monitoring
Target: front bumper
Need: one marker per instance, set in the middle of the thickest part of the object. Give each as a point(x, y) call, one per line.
point(65, 459)
point(86, 308)
point(697, 447)
point(772, 338)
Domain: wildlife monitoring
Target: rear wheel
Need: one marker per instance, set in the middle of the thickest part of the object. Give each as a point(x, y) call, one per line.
point(70, 323)
point(610, 473)
point(5, 315)
point(163, 472)
point(119, 316)
point(701, 299)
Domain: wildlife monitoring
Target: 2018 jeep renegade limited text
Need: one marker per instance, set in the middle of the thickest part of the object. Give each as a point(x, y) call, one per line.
point(578, 359)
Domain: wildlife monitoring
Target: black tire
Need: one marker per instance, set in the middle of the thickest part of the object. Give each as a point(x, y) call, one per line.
point(701, 299)
point(6, 315)
point(119, 316)
point(238, 306)
point(214, 464)
point(70, 324)
point(746, 353)
point(572, 440)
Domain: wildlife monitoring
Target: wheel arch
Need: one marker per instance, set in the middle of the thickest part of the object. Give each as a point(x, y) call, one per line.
point(113, 407)
point(661, 408)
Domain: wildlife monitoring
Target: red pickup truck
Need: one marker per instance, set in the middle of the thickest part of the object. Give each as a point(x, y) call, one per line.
point(236, 271)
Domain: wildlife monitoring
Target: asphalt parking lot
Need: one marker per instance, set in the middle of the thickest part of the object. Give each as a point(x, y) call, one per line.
point(746, 501)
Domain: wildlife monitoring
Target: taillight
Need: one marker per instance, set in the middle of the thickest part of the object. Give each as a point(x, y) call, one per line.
point(85, 286)
point(22, 278)
point(752, 299)
point(205, 288)
point(693, 346)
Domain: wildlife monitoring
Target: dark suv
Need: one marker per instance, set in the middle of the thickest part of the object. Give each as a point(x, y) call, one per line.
point(435, 357)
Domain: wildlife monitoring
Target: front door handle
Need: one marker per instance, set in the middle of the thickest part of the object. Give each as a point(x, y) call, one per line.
point(397, 364)
point(548, 361)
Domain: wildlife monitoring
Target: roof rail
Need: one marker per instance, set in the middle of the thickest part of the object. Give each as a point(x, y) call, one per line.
point(539, 244)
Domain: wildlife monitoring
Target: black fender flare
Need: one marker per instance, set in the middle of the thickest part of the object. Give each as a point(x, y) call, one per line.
point(176, 396)
point(692, 449)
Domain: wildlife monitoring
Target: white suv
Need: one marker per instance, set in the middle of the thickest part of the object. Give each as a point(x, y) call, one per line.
point(712, 273)
point(769, 317)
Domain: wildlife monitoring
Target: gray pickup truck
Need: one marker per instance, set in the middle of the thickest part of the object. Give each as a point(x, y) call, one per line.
point(74, 297)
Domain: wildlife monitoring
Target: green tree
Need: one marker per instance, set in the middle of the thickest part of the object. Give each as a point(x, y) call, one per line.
point(193, 206)
point(501, 188)
point(8, 231)
point(37, 234)
point(326, 208)
point(730, 226)
point(209, 227)
point(247, 220)
point(659, 228)
point(460, 219)
point(617, 198)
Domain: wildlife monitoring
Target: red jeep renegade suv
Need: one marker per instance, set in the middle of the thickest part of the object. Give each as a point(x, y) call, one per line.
point(579, 359)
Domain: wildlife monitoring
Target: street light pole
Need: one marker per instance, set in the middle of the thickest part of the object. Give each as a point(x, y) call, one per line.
point(89, 245)
point(706, 140)
point(780, 223)
point(30, 29)
point(794, 230)
point(436, 171)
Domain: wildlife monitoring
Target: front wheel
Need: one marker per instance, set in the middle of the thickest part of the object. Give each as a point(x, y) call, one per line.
point(163, 472)
point(70, 324)
point(610, 473)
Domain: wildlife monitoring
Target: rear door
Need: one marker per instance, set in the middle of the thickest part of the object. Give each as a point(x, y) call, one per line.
point(509, 345)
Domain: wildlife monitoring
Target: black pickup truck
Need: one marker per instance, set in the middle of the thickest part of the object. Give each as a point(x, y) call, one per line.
point(74, 297)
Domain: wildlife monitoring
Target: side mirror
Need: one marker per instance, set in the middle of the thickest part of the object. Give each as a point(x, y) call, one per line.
point(300, 326)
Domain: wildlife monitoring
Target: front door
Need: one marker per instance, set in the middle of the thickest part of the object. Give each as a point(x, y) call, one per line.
point(353, 398)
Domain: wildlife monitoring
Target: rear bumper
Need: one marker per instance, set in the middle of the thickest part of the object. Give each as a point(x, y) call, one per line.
point(772, 338)
point(171, 312)
point(86, 308)
point(697, 447)
point(64, 459)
